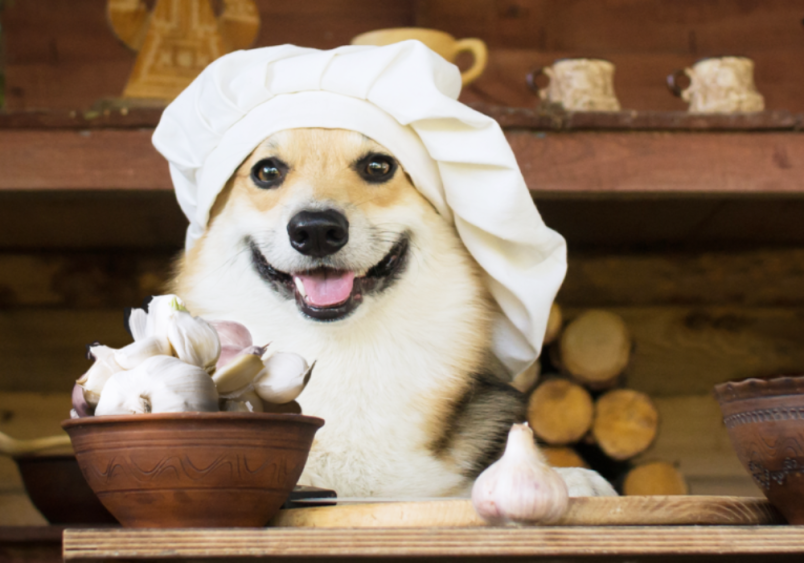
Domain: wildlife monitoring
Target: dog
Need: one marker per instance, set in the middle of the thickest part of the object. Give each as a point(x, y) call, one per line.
point(321, 245)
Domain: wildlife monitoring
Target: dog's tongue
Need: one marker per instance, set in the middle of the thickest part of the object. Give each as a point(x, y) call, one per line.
point(327, 287)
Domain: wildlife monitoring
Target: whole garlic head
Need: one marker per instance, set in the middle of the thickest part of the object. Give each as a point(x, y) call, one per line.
point(159, 384)
point(520, 487)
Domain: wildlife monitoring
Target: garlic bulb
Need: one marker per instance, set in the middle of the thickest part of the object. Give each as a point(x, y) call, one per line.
point(193, 340)
point(520, 487)
point(93, 381)
point(159, 384)
point(284, 377)
point(232, 334)
point(239, 373)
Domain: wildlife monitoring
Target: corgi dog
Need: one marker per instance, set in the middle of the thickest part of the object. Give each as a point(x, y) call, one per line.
point(321, 245)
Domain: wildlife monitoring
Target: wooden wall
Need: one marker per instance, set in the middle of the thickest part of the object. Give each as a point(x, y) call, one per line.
point(62, 54)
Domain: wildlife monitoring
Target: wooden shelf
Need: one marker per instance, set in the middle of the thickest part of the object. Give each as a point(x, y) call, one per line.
point(713, 543)
point(604, 154)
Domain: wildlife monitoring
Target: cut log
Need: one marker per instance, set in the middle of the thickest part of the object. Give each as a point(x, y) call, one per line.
point(562, 456)
point(625, 423)
point(560, 412)
point(595, 348)
point(655, 478)
point(554, 323)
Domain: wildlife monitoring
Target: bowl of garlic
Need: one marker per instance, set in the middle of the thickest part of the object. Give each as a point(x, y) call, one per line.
point(190, 425)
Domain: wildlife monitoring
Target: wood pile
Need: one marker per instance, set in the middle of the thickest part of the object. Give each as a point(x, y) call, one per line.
point(582, 412)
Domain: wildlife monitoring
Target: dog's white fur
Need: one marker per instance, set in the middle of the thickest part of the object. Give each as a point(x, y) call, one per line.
point(386, 376)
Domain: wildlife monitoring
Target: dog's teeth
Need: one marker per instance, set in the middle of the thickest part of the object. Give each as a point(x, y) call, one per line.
point(300, 287)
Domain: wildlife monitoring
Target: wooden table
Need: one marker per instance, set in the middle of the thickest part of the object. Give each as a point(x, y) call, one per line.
point(555, 544)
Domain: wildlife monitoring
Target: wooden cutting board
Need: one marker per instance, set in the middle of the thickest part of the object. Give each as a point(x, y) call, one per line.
point(583, 511)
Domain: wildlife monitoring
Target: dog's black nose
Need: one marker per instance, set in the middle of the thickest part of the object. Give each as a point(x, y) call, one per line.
point(318, 233)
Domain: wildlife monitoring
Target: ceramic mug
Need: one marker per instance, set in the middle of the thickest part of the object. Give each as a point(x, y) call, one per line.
point(578, 85)
point(719, 85)
point(439, 41)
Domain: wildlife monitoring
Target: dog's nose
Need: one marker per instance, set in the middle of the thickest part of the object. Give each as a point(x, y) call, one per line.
point(318, 233)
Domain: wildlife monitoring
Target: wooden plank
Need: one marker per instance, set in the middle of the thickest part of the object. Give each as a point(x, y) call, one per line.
point(612, 163)
point(693, 438)
point(587, 27)
point(549, 118)
point(82, 279)
point(768, 277)
point(44, 350)
point(90, 219)
point(688, 350)
point(236, 544)
point(609, 163)
point(582, 511)
point(83, 160)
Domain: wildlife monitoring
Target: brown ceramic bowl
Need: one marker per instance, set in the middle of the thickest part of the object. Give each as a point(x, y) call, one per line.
point(765, 421)
point(59, 491)
point(194, 470)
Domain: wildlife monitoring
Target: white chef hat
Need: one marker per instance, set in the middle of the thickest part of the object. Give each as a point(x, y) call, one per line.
point(404, 96)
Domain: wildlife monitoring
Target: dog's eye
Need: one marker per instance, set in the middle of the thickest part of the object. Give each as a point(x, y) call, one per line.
point(269, 173)
point(376, 168)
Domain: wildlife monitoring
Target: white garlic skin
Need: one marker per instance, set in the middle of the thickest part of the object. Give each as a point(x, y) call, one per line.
point(132, 355)
point(520, 487)
point(159, 384)
point(283, 379)
point(94, 380)
point(193, 340)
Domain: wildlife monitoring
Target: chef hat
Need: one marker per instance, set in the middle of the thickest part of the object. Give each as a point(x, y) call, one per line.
point(404, 96)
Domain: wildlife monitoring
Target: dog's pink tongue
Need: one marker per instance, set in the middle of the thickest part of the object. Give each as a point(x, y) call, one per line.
point(327, 287)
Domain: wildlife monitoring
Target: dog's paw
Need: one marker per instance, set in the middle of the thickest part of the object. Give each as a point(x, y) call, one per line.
point(585, 482)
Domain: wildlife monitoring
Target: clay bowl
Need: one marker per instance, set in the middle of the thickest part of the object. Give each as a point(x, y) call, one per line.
point(194, 470)
point(765, 421)
point(59, 491)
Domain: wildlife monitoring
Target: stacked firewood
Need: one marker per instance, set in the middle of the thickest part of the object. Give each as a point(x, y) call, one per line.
point(581, 411)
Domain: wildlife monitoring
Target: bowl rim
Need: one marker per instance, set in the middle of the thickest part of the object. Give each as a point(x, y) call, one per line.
point(191, 416)
point(755, 387)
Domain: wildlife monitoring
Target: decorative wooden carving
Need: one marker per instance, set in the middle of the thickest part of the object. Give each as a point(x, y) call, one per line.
point(178, 39)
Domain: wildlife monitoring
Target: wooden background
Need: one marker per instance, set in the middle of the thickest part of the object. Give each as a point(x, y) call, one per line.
point(710, 282)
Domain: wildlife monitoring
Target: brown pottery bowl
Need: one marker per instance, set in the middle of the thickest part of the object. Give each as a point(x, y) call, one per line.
point(765, 421)
point(59, 491)
point(199, 470)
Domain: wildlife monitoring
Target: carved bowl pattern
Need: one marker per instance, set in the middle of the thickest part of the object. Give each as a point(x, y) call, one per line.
point(192, 469)
point(765, 421)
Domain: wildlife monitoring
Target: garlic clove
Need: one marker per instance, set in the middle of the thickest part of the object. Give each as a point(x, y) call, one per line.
point(246, 402)
point(228, 353)
point(232, 334)
point(137, 322)
point(520, 487)
point(93, 381)
point(81, 407)
point(159, 384)
point(193, 340)
point(134, 354)
point(237, 374)
point(284, 378)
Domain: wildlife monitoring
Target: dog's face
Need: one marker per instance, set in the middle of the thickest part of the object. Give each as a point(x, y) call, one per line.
point(327, 216)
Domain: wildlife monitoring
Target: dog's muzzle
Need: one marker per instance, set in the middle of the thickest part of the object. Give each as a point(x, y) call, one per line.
point(318, 233)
